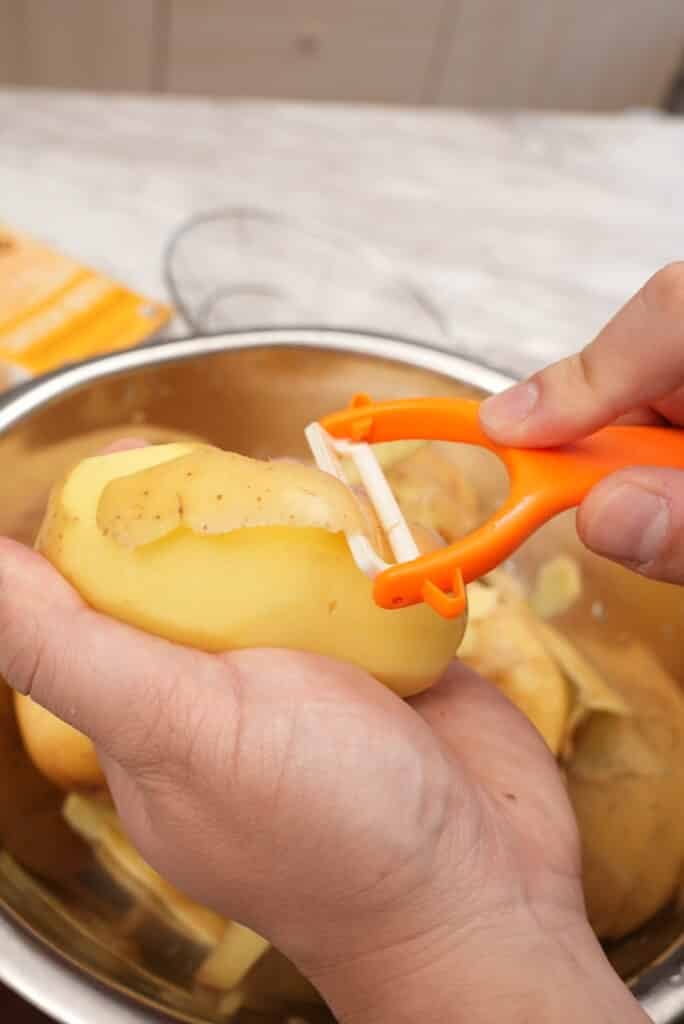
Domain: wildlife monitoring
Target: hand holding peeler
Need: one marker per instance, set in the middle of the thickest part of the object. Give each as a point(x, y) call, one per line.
point(543, 483)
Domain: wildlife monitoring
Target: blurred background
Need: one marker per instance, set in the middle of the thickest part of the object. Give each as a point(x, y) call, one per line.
point(545, 54)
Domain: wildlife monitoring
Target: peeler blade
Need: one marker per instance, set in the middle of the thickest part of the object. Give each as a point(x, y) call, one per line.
point(326, 451)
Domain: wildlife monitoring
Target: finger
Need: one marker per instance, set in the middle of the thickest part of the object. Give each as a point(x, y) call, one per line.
point(117, 685)
point(126, 444)
point(636, 360)
point(636, 517)
point(641, 418)
point(671, 408)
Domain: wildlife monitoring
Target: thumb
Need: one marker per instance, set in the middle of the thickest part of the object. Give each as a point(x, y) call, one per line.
point(636, 517)
point(118, 686)
point(634, 362)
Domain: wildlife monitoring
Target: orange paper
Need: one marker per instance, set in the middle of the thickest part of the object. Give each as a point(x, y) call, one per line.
point(53, 310)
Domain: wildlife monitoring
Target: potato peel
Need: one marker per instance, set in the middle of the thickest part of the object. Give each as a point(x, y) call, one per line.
point(500, 642)
point(592, 694)
point(98, 824)
point(557, 587)
point(209, 491)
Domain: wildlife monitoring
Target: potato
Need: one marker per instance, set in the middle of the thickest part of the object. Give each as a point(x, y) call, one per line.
point(232, 959)
point(557, 587)
point(615, 720)
point(387, 453)
point(273, 983)
point(95, 820)
point(64, 756)
point(625, 778)
point(431, 490)
point(501, 643)
point(32, 829)
point(262, 547)
point(591, 693)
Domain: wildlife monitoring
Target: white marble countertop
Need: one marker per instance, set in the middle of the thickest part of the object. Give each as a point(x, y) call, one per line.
point(526, 230)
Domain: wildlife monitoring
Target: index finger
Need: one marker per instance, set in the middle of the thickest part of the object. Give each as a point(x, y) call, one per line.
point(637, 360)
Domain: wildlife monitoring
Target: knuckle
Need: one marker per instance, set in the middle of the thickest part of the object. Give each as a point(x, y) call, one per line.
point(578, 375)
point(664, 292)
point(669, 567)
point(584, 366)
point(26, 665)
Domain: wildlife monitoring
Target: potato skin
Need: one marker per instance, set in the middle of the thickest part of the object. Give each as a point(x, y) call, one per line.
point(278, 586)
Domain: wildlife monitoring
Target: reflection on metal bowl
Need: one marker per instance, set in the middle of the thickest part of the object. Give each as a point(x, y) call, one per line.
point(73, 939)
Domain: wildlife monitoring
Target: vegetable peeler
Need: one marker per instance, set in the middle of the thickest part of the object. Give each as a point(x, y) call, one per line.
point(543, 483)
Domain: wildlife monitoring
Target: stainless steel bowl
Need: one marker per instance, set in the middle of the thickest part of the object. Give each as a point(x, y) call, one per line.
point(252, 392)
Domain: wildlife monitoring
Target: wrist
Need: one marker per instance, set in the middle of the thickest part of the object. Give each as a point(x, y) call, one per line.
point(491, 973)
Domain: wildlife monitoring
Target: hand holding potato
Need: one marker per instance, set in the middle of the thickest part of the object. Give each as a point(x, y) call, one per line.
point(428, 842)
point(297, 758)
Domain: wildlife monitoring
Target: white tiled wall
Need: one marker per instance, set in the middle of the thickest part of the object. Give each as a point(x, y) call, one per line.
point(567, 54)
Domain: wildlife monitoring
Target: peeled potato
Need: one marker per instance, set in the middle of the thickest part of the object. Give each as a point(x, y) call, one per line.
point(62, 754)
point(615, 720)
point(221, 552)
point(625, 777)
point(273, 983)
point(96, 821)
point(234, 956)
point(32, 830)
point(501, 643)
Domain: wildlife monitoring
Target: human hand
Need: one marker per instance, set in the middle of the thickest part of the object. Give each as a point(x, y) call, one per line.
point(416, 860)
point(633, 372)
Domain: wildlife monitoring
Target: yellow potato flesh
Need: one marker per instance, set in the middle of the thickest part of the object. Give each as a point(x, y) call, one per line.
point(62, 754)
point(234, 956)
point(289, 586)
point(615, 720)
point(501, 643)
point(625, 779)
point(96, 821)
point(32, 831)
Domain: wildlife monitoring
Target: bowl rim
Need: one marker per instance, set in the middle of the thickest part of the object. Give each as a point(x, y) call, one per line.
point(38, 392)
point(27, 964)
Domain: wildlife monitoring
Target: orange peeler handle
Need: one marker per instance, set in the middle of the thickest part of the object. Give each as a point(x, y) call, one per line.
point(543, 483)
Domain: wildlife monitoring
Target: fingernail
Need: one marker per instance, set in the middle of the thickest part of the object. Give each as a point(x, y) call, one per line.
point(627, 523)
point(507, 411)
